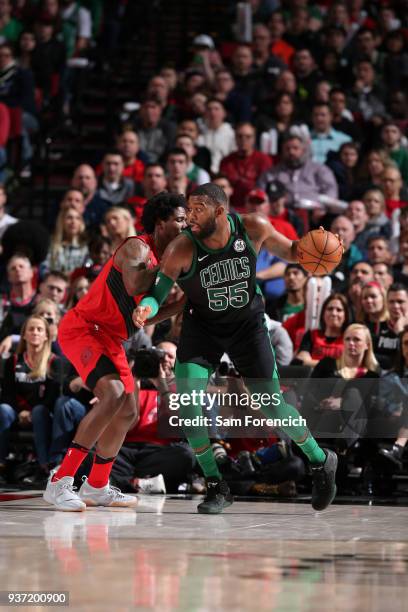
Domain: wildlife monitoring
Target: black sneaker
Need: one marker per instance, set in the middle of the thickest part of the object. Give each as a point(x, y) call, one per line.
point(324, 481)
point(218, 497)
point(394, 454)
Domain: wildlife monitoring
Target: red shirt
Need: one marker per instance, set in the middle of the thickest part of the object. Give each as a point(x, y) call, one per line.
point(134, 171)
point(284, 227)
point(145, 429)
point(295, 326)
point(321, 347)
point(137, 203)
point(391, 205)
point(107, 303)
point(243, 172)
point(283, 50)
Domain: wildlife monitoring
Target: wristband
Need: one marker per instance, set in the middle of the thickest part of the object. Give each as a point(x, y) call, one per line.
point(152, 302)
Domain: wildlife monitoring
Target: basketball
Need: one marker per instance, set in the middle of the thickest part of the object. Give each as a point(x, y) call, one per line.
point(319, 252)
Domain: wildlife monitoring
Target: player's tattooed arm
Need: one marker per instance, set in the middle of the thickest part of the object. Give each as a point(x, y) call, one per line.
point(132, 259)
point(262, 233)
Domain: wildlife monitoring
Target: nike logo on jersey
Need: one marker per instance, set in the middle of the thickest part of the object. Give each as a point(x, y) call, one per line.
point(201, 258)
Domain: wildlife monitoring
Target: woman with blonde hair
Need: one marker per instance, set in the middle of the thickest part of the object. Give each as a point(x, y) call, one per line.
point(373, 309)
point(69, 247)
point(30, 389)
point(119, 225)
point(331, 406)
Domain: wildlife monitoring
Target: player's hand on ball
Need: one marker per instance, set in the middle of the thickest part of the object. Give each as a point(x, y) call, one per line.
point(140, 315)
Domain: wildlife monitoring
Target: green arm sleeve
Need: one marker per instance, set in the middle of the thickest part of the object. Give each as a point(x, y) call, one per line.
point(158, 293)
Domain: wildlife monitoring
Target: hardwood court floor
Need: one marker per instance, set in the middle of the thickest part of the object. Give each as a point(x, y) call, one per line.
point(163, 556)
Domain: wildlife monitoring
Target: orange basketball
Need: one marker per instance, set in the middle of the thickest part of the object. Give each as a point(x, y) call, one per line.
point(319, 252)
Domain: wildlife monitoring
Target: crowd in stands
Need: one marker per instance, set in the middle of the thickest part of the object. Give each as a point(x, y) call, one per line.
point(304, 122)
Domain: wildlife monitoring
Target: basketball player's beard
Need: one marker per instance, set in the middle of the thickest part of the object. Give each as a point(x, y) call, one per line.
point(207, 230)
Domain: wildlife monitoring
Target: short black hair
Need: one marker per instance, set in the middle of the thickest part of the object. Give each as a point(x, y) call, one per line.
point(159, 208)
point(214, 193)
point(176, 151)
point(397, 287)
point(98, 241)
point(295, 266)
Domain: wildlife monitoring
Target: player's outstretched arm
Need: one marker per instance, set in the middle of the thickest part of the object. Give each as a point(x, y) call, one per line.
point(132, 259)
point(262, 233)
point(176, 260)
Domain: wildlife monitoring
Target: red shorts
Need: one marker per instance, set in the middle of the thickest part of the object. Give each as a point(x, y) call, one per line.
point(93, 352)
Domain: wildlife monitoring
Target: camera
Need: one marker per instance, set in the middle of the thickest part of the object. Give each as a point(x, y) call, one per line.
point(147, 362)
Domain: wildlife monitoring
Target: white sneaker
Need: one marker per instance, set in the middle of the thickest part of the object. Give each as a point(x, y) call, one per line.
point(61, 494)
point(151, 485)
point(105, 496)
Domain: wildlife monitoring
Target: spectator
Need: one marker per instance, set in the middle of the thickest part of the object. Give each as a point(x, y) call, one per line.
point(51, 53)
point(328, 340)
point(113, 188)
point(281, 217)
point(394, 392)
point(279, 46)
point(84, 180)
point(216, 134)
point(155, 133)
point(195, 174)
point(367, 48)
point(128, 147)
point(357, 214)
point(69, 247)
point(119, 225)
point(76, 27)
point(373, 168)
point(324, 138)
point(203, 156)
point(237, 104)
point(19, 301)
point(17, 91)
point(373, 312)
point(392, 186)
point(78, 287)
point(374, 202)
point(396, 61)
point(293, 300)
point(360, 274)
point(224, 182)
point(357, 361)
point(159, 89)
point(274, 128)
point(344, 167)
point(280, 340)
point(73, 198)
point(10, 28)
point(302, 177)
point(48, 310)
point(5, 219)
point(154, 182)
point(53, 287)
point(100, 249)
point(342, 118)
point(244, 166)
point(391, 137)
point(365, 96)
point(378, 250)
point(398, 108)
point(352, 254)
point(245, 76)
point(400, 269)
point(30, 389)
point(176, 166)
point(146, 462)
point(306, 73)
point(263, 59)
point(383, 274)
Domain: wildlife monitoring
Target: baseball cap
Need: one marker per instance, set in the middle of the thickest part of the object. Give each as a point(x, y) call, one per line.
point(257, 196)
point(203, 40)
point(275, 190)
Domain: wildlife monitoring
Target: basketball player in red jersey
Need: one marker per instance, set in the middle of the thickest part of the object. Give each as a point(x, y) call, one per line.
point(91, 336)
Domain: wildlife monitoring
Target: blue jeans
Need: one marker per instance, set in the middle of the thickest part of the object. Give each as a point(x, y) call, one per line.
point(42, 425)
point(68, 413)
point(7, 417)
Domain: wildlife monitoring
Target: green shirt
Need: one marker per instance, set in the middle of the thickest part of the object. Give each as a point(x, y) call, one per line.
point(12, 30)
